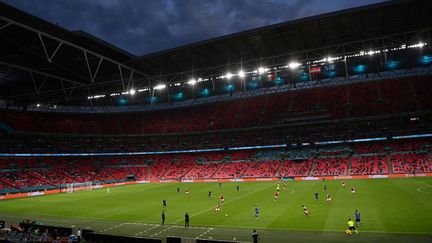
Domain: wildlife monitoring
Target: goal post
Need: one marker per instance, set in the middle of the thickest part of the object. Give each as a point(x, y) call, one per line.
point(71, 187)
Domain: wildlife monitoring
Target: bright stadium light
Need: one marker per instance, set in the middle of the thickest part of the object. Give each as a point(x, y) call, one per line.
point(294, 65)
point(261, 70)
point(160, 86)
point(37, 105)
point(132, 91)
point(192, 82)
point(228, 75)
point(241, 74)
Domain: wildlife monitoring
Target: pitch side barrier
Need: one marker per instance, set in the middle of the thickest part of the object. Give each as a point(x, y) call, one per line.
point(294, 178)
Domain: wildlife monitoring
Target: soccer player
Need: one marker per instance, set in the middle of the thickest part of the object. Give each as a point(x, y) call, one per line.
point(238, 188)
point(276, 196)
point(187, 191)
point(220, 184)
point(163, 217)
point(351, 226)
point(255, 236)
point(178, 189)
point(285, 186)
point(256, 212)
point(186, 219)
point(108, 190)
point(343, 184)
point(209, 194)
point(305, 210)
point(222, 199)
point(357, 218)
point(217, 208)
point(325, 187)
point(316, 196)
point(164, 203)
point(329, 198)
point(353, 191)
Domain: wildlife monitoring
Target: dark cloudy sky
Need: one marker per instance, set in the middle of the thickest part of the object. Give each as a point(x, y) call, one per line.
point(146, 26)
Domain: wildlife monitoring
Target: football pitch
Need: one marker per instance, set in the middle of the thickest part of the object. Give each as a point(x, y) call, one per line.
point(396, 210)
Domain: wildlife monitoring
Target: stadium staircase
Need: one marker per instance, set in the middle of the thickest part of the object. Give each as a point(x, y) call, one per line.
point(349, 166)
point(237, 114)
point(166, 171)
point(312, 168)
point(218, 169)
point(5, 182)
point(390, 165)
point(264, 110)
point(195, 165)
point(250, 164)
point(277, 171)
point(40, 178)
point(147, 173)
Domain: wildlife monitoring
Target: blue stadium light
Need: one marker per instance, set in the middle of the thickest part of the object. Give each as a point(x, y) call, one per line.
point(152, 99)
point(279, 81)
point(254, 83)
point(123, 101)
point(179, 96)
point(304, 76)
point(359, 68)
point(425, 60)
point(393, 64)
point(230, 87)
point(205, 92)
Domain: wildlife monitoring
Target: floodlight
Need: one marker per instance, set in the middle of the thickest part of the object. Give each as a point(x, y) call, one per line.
point(132, 91)
point(294, 65)
point(241, 74)
point(261, 70)
point(37, 105)
point(160, 86)
point(192, 82)
point(228, 75)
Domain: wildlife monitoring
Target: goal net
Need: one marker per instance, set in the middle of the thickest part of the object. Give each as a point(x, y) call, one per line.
point(71, 187)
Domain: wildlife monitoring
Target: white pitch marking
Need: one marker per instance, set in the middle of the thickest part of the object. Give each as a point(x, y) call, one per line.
point(210, 229)
point(225, 203)
point(142, 232)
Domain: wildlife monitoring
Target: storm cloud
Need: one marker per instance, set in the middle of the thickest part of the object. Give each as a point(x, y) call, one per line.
point(146, 26)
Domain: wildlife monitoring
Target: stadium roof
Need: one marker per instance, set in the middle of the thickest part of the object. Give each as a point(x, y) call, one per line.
point(42, 62)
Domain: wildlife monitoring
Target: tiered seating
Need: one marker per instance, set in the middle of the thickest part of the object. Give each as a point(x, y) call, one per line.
point(331, 166)
point(373, 165)
point(158, 169)
point(295, 168)
point(231, 170)
point(262, 169)
point(178, 169)
point(411, 163)
point(365, 148)
point(202, 171)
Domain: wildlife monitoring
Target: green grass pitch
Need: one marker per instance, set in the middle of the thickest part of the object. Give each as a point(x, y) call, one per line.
point(397, 210)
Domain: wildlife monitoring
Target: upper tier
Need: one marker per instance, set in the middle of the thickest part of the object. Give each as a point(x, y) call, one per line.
point(335, 102)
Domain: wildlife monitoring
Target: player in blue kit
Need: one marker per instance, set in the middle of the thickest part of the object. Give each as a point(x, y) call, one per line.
point(256, 212)
point(357, 218)
point(316, 196)
point(164, 203)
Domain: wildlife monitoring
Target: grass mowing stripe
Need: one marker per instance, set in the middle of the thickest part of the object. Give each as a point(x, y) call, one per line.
point(226, 202)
